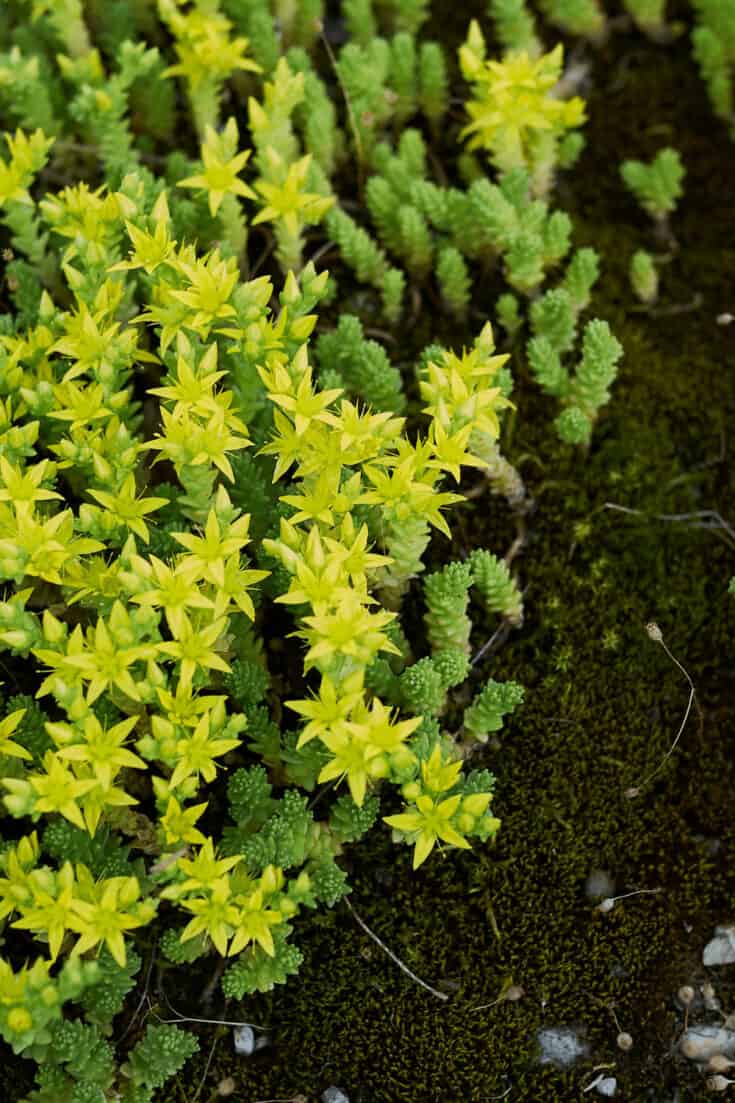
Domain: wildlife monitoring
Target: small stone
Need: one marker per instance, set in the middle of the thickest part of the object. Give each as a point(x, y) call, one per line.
point(699, 1043)
point(560, 1045)
point(599, 884)
point(244, 1039)
point(607, 1086)
point(720, 950)
point(334, 1095)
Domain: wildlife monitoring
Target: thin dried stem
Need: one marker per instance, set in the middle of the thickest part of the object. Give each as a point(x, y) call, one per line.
point(434, 991)
point(700, 518)
point(144, 996)
point(654, 632)
point(192, 1019)
point(206, 1067)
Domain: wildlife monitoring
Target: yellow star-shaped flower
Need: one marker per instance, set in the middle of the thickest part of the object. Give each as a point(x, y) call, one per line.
point(221, 167)
point(288, 202)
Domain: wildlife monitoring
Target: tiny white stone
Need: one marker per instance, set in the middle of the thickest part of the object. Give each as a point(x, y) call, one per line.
point(334, 1095)
point(598, 884)
point(699, 1043)
point(560, 1045)
point(244, 1039)
point(607, 1086)
point(720, 950)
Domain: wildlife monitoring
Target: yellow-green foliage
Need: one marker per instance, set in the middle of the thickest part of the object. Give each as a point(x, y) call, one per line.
point(131, 646)
point(207, 54)
point(514, 115)
point(185, 476)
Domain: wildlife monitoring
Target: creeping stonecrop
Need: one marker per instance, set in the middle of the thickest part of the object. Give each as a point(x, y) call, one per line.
point(211, 518)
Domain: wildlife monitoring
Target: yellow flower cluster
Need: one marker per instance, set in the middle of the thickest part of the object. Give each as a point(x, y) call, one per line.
point(343, 458)
point(515, 114)
point(154, 632)
point(28, 154)
point(55, 903)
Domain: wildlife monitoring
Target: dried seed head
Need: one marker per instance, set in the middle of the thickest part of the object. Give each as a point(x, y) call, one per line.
point(685, 995)
point(226, 1087)
point(719, 1063)
point(607, 904)
point(515, 992)
point(654, 632)
point(624, 1041)
point(718, 1083)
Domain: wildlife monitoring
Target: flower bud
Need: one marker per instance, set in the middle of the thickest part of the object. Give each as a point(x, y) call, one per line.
point(378, 766)
point(411, 790)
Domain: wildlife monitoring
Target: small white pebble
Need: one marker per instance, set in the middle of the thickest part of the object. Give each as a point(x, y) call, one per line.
point(599, 883)
point(244, 1039)
point(699, 1043)
point(560, 1045)
point(720, 950)
point(334, 1095)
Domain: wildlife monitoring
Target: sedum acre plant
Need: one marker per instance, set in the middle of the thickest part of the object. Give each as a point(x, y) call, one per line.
point(135, 601)
point(657, 187)
point(514, 116)
point(222, 479)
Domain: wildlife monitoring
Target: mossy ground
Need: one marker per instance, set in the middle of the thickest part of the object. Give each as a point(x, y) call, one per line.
point(603, 703)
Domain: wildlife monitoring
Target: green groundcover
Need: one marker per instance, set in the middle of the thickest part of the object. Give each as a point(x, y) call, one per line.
point(629, 530)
